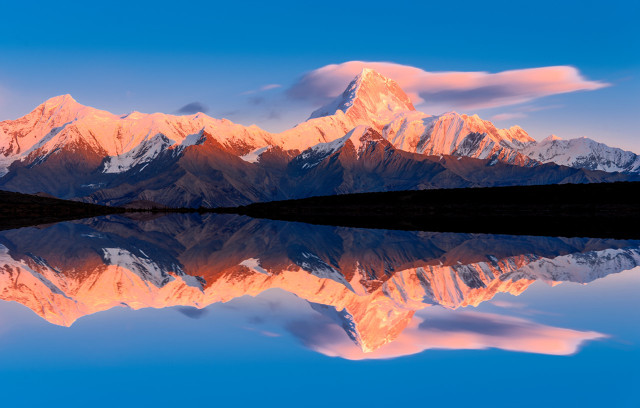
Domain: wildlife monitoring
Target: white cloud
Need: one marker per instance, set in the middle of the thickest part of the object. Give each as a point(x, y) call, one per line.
point(522, 112)
point(263, 88)
point(509, 115)
point(454, 90)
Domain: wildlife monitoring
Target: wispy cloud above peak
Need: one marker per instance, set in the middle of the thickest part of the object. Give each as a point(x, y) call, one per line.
point(522, 112)
point(263, 88)
point(508, 116)
point(450, 90)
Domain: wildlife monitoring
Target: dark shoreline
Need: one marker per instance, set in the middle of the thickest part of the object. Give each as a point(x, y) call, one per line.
point(19, 210)
point(603, 210)
point(606, 210)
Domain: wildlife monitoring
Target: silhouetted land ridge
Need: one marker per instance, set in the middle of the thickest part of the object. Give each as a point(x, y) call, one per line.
point(590, 210)
point(21, 210)
point(606, 210)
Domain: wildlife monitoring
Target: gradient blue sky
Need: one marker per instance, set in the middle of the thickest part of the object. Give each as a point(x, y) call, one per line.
point(161, 56)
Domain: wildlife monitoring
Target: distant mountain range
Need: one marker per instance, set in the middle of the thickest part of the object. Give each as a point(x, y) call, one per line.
point(369, 139)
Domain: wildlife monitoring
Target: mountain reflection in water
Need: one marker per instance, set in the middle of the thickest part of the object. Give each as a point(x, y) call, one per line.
point(379, 287)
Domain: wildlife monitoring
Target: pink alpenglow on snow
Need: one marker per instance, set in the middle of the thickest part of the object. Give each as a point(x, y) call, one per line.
point(460, 90)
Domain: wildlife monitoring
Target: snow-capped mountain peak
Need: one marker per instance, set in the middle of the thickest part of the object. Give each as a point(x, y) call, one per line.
point(59, 100)
point(369, 97)
point(63, 109)
point(459, 135)
point(550, 138)
point(583, 153)
point(40, 125)
point(63, 123)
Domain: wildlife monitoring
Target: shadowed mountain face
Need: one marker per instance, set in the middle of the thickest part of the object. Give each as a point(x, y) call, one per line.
point(370, 282)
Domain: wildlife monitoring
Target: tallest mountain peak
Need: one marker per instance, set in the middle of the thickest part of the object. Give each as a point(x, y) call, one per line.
point(369, 97)
point(369, 72)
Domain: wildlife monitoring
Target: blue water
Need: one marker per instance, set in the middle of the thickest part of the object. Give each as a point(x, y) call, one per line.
point(572, 340)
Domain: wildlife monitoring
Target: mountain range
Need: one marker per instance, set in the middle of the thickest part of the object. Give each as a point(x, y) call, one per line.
point(370, 138)
point(370, 282)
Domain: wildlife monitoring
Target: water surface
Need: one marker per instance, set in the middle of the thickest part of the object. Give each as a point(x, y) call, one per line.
point(224, 309)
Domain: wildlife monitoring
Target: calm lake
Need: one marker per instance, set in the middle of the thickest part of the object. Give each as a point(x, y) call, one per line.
point(225, 310)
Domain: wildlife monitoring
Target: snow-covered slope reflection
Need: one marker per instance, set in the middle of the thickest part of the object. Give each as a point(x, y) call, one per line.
point(377, 286)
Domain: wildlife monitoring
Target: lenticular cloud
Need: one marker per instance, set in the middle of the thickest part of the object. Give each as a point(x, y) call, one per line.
point(457, 90)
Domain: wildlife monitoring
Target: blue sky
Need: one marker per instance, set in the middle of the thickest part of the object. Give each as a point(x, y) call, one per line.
point(161, 56)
